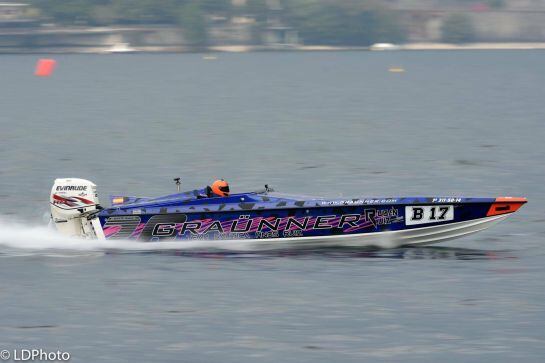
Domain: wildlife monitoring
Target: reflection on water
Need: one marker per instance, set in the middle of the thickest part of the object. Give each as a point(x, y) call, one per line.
point(409, 253)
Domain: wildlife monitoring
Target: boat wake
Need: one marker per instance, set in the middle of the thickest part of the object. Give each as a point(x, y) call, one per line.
point(16, 235)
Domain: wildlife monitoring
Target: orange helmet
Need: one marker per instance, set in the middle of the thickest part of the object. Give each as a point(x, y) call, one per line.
point(221, 188)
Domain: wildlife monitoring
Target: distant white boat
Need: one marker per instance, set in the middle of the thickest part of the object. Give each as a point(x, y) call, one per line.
point(120, 48)
point(384, 46)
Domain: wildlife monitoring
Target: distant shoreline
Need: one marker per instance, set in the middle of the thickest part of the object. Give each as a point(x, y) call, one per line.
point(474, 46)
point(401, 47)
point(108, 49)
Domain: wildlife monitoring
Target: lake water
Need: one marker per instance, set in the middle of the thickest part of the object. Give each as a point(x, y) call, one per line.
point(331, 124)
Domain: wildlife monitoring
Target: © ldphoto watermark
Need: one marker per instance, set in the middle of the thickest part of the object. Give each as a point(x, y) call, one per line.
point(34, 355)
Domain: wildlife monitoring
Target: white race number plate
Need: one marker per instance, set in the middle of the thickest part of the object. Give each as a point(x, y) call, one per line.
point(415, 214)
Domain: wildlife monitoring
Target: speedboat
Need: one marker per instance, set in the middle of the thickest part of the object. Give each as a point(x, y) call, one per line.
point(273, 220)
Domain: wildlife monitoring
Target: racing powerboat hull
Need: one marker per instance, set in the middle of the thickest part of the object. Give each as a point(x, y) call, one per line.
point(382, 224)
point(272, 220)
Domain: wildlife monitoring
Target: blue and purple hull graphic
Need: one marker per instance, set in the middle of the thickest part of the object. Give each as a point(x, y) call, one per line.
point(277, 218)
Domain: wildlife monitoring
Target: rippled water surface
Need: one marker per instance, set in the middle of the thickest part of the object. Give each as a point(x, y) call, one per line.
point(331, 124)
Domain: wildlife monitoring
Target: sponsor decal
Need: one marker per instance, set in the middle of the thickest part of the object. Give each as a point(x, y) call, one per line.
point(358, 202)
point(66, 188)
point(246, 226)
point(381, 217)
point(428, 214)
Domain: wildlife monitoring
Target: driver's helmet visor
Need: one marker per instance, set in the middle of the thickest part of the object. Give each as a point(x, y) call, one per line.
point(225, 189)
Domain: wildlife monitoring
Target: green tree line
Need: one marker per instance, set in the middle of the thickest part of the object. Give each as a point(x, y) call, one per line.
point(329, 22)
point(347, 22)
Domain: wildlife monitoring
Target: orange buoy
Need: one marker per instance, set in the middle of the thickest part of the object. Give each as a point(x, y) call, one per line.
point(45, 67)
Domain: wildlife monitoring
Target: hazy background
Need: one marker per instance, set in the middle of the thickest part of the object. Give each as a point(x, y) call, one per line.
point(89, 26)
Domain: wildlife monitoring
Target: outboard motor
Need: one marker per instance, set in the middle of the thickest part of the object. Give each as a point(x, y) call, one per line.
point(74, 205)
